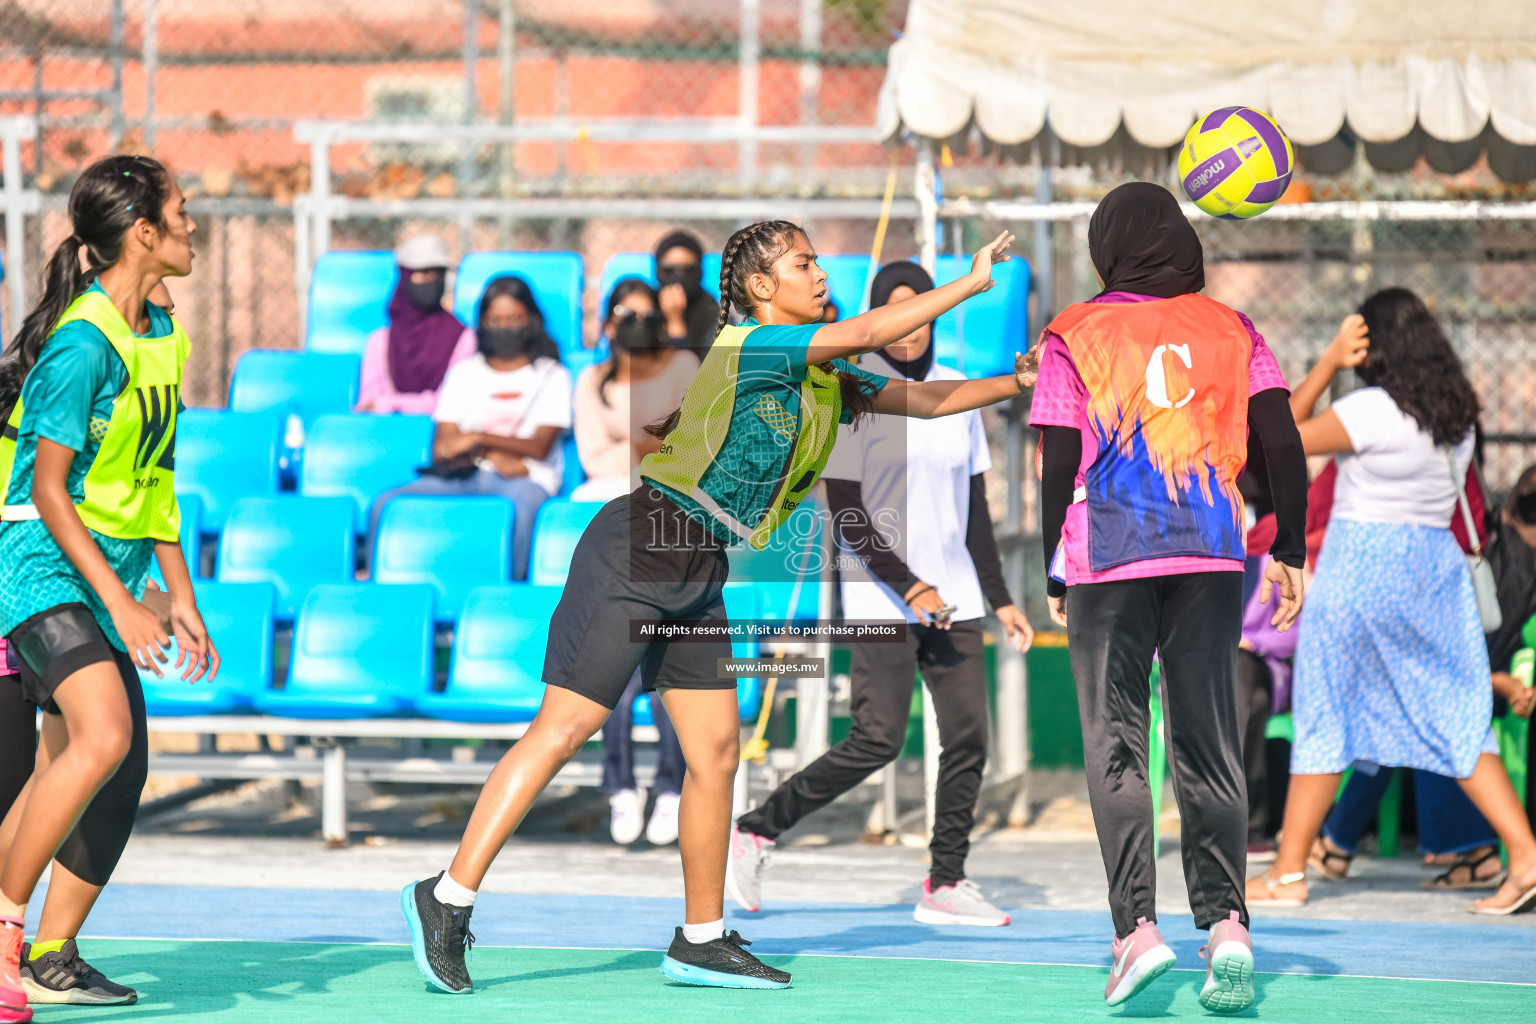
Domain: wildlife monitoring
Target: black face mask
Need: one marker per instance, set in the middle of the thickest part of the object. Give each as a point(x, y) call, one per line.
point(633, 330)
point(507, 342)
point(426, 295)
point(689, 276)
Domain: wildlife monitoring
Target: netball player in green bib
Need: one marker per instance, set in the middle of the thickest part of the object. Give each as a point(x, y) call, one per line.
point(744, 449)
point(90, 388)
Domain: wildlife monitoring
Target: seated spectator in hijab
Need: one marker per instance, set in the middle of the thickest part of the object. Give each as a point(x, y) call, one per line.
point(689, 310)
point(830, 314)
point(404, 363)
point(643, 381)
point(500, 415)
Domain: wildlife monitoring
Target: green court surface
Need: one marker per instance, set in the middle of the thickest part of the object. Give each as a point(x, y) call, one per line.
point(240, 982)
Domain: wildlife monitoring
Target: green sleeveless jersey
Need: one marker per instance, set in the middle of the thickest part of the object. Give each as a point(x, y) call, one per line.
point(755, 430)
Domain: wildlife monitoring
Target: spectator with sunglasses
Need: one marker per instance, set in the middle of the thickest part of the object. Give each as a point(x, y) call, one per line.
point(689, 311)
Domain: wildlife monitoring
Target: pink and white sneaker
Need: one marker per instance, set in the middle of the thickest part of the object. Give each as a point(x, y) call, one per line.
point(1137, 959)
point(13, 998)
point(744, 864)
point(961, 903)
point(1229, 970)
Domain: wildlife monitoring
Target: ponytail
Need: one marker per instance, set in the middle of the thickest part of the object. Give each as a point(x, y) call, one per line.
point(108, 199)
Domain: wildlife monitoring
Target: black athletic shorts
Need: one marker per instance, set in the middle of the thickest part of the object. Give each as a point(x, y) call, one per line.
point(641, 559)
point(55, 644)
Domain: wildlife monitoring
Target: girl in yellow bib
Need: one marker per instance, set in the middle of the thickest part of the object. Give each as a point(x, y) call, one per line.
point(744, 449)
point(90, 388)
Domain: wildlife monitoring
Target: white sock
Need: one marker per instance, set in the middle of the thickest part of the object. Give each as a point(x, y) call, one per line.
point(452, 893)
point(708, 932)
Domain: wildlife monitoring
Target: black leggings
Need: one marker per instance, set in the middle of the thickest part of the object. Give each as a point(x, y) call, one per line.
point(882, 680)
point(1193, 622)
point(92, 849)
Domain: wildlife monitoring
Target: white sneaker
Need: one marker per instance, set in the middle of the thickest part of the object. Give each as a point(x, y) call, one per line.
point(662, 831)
point(961, 903)
point(628, 819)
point(744, 864)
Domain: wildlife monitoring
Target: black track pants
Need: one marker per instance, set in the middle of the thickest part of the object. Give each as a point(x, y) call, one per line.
point(952, 667)
point(1193, 622)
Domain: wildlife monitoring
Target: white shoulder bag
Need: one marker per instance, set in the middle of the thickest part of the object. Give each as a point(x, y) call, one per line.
point(1484, 586)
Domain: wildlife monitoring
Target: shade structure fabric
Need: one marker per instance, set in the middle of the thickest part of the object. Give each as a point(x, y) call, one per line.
point(1443, 78)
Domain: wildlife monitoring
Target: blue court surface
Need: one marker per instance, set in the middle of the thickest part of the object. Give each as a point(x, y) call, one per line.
point(246, 954)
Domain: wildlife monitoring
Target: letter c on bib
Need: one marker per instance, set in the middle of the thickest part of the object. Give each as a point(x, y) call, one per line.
point(1157, 380)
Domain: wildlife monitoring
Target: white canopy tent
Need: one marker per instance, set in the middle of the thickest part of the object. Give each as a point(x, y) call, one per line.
point(1439, 78)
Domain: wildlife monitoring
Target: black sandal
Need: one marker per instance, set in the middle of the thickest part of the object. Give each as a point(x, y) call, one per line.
point(1471, 861)
point(1322, 858)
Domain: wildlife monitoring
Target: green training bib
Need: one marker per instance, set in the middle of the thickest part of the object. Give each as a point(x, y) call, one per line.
point(707, 408)
point(130, 486)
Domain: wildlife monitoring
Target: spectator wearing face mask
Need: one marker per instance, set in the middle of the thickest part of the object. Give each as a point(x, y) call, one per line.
point(500, 414)
point(404, 363)
point(640, 383)
point(689, 310)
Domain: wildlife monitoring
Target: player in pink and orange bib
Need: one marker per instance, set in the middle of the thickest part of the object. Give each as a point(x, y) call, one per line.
point(1145, 398)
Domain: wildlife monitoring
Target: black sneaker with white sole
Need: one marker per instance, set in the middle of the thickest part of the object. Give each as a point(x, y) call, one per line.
point(440, 936)
point(719, 963)
point(62, 977)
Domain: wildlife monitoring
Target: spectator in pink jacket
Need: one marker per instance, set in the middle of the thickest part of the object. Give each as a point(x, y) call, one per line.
point(404, 363)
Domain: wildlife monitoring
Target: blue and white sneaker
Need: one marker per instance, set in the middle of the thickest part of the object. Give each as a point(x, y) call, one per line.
point(440, 936)
point(719, 963)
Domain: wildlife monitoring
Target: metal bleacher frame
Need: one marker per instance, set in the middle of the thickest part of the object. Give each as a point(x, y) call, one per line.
point(325, 756)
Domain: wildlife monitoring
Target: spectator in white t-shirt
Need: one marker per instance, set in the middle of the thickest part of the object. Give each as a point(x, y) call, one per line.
point(500, 415)
point(1391, 663)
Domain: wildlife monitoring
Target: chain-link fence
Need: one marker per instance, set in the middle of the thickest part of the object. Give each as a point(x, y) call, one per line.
point(215, 88)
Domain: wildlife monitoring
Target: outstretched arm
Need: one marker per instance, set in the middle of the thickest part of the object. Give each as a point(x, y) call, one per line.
point(933, 398)
point(876, 329)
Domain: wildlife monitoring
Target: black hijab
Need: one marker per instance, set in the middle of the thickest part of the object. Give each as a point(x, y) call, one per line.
point(1140, 241)
point(891, 277)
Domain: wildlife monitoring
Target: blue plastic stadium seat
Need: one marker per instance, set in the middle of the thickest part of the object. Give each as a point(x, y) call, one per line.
point(362, 456)
point(572, 475)
point(349, 294)
point(498, 656)
point(981, 335)
point(847, 273)
point(742, 602)
point(224, 456)
point(293, 542)
point(710, 268)
point(786, 572)
point(239, 620)
point(556, 529)
point(191, 508)
point(621, 265)
point(309, 384)
point(359, 651)
point(452, 544)
point(557, 279)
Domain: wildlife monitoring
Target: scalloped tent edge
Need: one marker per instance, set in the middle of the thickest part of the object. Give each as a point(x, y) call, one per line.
point(1334, 73)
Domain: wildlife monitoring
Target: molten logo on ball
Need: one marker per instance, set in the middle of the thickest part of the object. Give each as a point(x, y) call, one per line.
point(1235, 163)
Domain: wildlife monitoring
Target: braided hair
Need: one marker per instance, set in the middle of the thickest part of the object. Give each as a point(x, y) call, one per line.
point(754, 250)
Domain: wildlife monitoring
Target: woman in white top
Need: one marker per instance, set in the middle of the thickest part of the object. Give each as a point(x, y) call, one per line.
point(641, 382)
point(500, 415)
point(1391, 666)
